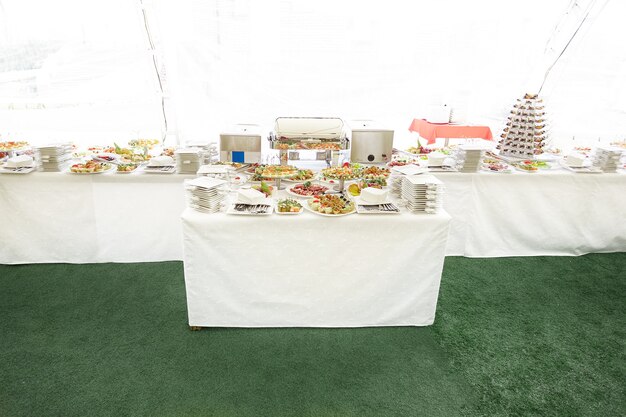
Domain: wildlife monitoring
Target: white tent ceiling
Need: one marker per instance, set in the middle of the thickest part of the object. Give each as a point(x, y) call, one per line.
point(84, 70)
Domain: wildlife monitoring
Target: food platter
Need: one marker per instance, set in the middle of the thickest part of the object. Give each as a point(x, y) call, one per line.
point(301, 176)
point(290, 204)
point(321, 189)
point(127, 171)
point(90, 167)
point(316, 204)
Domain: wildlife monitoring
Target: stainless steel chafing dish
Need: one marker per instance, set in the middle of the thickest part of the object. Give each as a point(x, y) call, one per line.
point(309, 139)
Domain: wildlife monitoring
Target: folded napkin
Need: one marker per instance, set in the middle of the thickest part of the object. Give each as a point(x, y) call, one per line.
point(250, 196)
point(374, 195)
point(19, 161)
point(161, 161)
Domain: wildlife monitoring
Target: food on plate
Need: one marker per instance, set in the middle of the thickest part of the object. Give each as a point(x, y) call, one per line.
point(288, 205)
point(303, 175)
point(356, 188)
point(13, 146)
point(276, 171)
point(418, 150)
point(331, 204)
point(495, 166)
point(168, 152)
point(127, 155)
point(308, 189)
point(126, 167)
point(253, 167)
point(399, 162)
point(90, 167)
point(259, 177)
point(323, 146)
point(143, 143)
point(265, 188)
point(374, 172)
point(341, 173)
point(530, 165)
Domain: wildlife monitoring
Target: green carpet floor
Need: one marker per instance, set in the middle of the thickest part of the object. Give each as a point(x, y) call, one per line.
point(513, 336)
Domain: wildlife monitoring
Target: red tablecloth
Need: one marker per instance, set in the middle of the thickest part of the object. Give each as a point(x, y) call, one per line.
point(432, 131)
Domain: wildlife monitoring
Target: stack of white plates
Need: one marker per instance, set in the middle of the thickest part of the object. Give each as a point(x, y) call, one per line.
point(607, 159)
point(206, 194)
point(55, 158)
point(422, 193)
point(397, 175)
point(468, 158)
point(188, 160)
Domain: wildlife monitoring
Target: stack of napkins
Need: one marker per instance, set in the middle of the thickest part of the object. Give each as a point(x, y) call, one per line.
point(188, 160)
point(205, 194)
point(607, 158)
point(55, 158)
point(468, 158)
point(422, 193)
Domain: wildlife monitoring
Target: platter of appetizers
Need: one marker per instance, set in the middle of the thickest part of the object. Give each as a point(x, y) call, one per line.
point(277, 171)
point(91, 167)
point(341, 173)
point(374, 172)
point(307, 189)
point(302, 175)
point(288, 206)
point(128, 168)
point(13, 146)
point(531, 166)
point(330, 205)
point(495, 166)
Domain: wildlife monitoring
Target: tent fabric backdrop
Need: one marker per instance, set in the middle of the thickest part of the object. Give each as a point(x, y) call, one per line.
point(225, 62)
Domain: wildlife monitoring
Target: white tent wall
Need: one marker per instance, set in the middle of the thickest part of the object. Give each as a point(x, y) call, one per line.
point(76, 70)
point(245, 61)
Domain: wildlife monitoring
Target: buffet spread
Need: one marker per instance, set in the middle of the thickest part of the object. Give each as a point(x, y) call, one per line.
point(62, 203)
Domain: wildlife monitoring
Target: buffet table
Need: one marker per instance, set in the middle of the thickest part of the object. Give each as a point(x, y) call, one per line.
point(57, 217)
point(432, 131)
point(313, 271)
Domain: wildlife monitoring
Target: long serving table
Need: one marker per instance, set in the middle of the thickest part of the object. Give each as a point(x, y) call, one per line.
point(58, 217)
point(62, 217)
point(313, 271)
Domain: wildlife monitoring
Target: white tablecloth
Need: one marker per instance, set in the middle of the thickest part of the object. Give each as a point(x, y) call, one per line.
point(551, 213)
point(60, 217)
point(313, 271)
point(55, 217)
